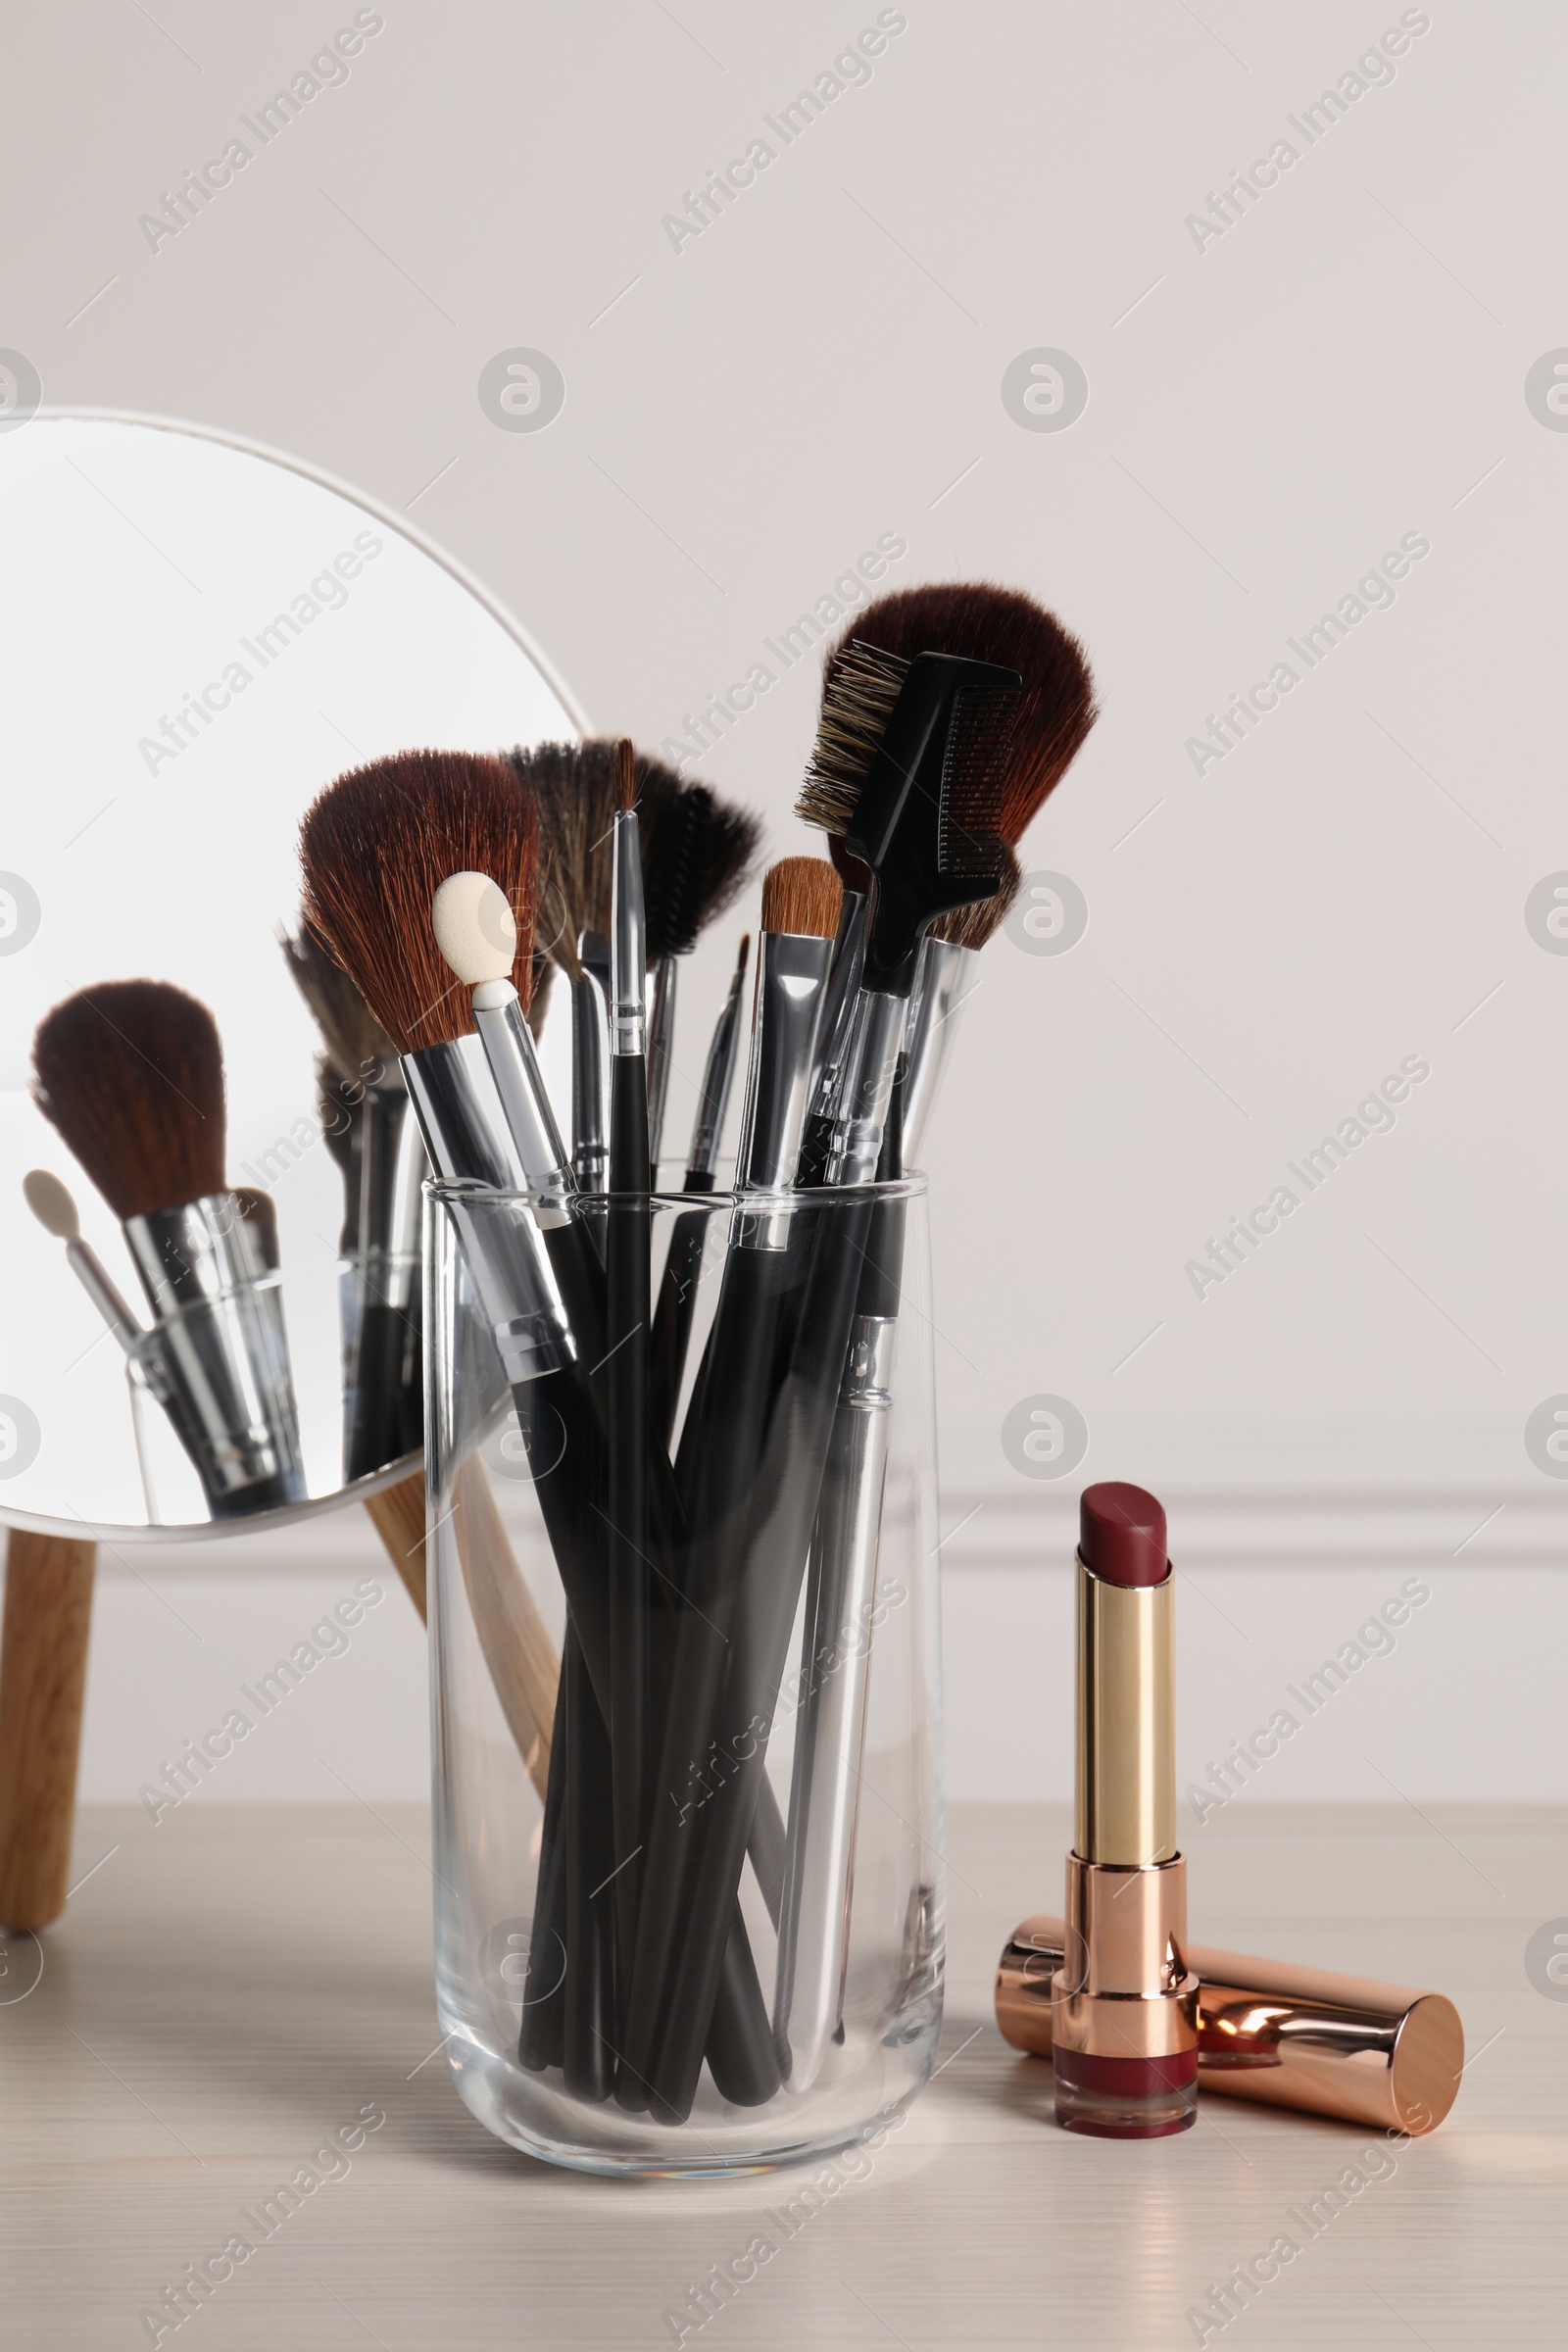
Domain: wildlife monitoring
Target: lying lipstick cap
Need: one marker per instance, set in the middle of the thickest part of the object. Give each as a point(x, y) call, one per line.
point(1380, 2054)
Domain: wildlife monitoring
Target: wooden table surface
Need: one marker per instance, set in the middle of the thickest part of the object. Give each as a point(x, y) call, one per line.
point(235, 1984)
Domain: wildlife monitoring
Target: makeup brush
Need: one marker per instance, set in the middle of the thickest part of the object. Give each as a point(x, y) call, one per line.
point(871, 728)
point(983, 812)
point(130, 1073)
point(379, 1293)
point(750, 1471)
point(697, 855)
point(626, 1335)
point(922, 817)
point(574, 789)
point(375, 847)
point(475, 934)
point(948, 971)
point(56, 1211)
point(677, 1288)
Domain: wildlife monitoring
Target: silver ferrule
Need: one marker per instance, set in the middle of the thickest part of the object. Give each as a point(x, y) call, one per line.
point(205, 1250)
point(509, 1048)
point(94, 1276)
point(865, 1087)
point(468, 1141)
point(790, 981)
point(590, 1064)
point(843, 988)
point(629, 954)
point(217, 1358)
point(943, 979)
point(707, 1129)
point(661, 1039)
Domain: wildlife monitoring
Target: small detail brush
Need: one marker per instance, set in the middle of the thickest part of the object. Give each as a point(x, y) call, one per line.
point(626, 1337)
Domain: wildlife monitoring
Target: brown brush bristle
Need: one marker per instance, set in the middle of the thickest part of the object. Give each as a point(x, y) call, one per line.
point(376, 845)
point(744, 951)
point(356, 1047)
point(130, 1073)
point(802, 896)
point(625, 774)
point(577, 788)
point(973, 926)
point(859, 691)
point(985, 623)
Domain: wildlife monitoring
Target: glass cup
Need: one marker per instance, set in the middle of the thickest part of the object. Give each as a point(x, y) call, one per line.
point(686, 1695)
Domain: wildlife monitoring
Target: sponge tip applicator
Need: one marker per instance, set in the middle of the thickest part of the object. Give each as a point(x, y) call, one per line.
point(474, 929)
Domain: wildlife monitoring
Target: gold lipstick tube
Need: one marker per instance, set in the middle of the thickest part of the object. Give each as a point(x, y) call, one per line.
point(1124, 2004)
point(1384, 2055)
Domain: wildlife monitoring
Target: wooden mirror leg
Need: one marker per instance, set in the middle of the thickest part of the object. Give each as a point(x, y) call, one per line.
point(397, 1514)
point(43, 1674)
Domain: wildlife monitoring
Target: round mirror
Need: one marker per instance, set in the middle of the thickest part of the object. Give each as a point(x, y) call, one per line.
point(199, 636)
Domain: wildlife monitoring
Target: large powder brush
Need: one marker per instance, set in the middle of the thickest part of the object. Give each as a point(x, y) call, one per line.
point(978, 623)
point(130, 1074)
point(375, 848)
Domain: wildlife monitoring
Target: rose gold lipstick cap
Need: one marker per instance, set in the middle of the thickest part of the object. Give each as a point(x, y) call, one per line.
point(1380, 2054)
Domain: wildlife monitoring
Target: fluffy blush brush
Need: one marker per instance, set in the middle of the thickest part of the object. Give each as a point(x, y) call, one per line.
point(988, 809)
point(130, 1074)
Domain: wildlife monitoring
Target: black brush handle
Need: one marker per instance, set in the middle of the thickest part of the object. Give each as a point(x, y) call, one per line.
point(542, 2035)
point(676, 1311)
point(753, 1511)
point(588, 2056)
point(626, 1431)
point(385, 1416)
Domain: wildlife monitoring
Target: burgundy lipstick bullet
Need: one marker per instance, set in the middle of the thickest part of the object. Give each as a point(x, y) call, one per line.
point(1124, 2004)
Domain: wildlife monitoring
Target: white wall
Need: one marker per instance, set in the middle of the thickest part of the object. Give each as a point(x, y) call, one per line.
point(1266, 416)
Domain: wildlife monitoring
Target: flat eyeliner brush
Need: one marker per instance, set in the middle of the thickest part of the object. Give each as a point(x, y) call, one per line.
point(626, 1337)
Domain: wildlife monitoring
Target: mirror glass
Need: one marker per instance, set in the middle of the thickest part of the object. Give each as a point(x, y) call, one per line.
point(197, 637)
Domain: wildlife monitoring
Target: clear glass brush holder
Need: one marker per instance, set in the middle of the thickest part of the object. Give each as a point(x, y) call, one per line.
point(686, 1690)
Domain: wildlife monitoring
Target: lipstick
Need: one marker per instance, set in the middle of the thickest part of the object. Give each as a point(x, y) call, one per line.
point(1388, 2056)
point(1124, 2003)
